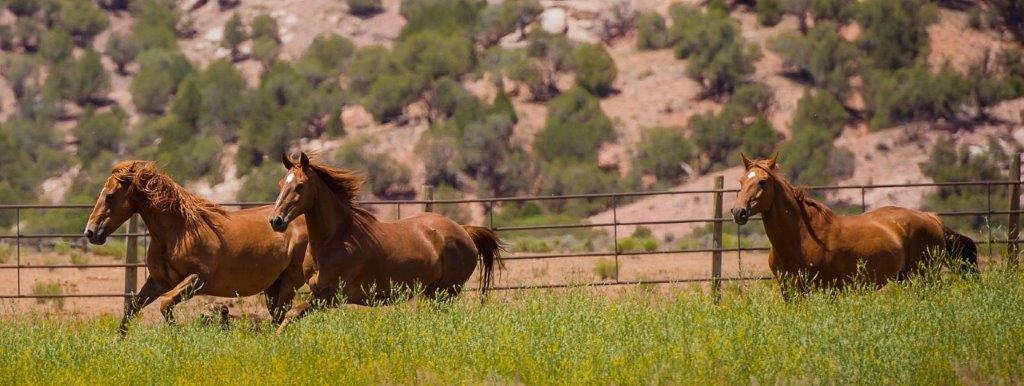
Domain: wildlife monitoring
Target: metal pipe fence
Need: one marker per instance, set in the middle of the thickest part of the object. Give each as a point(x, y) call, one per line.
point(137, 241)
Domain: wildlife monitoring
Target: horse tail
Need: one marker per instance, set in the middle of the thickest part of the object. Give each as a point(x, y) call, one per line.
point(489, 246)
point(961, 248)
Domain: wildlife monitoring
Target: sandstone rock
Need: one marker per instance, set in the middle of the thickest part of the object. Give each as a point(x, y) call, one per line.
point(553, 20)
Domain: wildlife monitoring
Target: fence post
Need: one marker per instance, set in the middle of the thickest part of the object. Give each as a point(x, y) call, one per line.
point(716, 254)
point(1014, 221)
point(428, 195)
point(131, 273)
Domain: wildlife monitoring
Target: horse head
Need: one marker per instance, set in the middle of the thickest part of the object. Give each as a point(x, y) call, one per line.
point(758, 187)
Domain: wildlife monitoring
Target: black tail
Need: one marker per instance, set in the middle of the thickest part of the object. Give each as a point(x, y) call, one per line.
point(961, 248)
point(490, 247)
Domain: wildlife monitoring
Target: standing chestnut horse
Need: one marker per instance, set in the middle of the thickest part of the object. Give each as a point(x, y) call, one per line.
point(351, 249)
point(197, 247)
point(809, 241)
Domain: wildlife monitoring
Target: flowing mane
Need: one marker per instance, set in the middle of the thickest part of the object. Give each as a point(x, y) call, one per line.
point(801, 196)
point(346, 184)
point(164, 195)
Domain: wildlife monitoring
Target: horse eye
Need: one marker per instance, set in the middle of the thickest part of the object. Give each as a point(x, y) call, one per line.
point(761, 184)
point(109, 197)
point(298, 188)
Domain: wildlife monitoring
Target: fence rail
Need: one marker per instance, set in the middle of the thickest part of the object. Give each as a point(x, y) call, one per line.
point(134, 237)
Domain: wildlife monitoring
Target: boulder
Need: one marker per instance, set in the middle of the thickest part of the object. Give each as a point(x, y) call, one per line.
point(553, 20)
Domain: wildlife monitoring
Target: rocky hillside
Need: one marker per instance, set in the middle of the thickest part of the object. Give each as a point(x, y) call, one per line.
point(503, 98)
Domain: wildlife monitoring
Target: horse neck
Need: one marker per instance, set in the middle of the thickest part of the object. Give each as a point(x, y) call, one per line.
point(333, 219)
point(165, 227)
point(785, 225)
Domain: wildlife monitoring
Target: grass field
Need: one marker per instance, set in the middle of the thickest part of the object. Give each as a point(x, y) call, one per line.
point(938, 331)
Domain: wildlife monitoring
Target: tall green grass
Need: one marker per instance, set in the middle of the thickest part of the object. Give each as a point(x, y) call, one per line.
point(939, 331)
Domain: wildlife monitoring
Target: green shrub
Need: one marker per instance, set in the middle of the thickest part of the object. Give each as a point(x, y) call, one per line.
point(159, 75)
point(974, 18)
point(265, 26)
point(721, 136)
point(23, 8)
point(6, 251)
point(222, 90)
point(821, 109)
point(606, 269)
point(265, 50)
point(20, 71)
point(386, 177)
point(566, 177)
point(530, 245)
point(364, 7)
point(154, 23)
point(448, 17)
point(810, 157)
point(389, 95)
point(499, 20)
point(823, 56)
point(234, 34)
point(367, 64)
point(894, 33)
point(948, 163)
point(1010, 15)
point(638, 244)
point(62, 248)
point(839, 11)
point(769, 12)
point(431, 55)
point(82, 19)
point(915, 93)
point(575, 127)
point(47, 290)
point(79, 258)
point(82, 81)
point(331, 52)
point(261, 184)
point(459, 212)
point(98, 132)
point(55, 45)
point(661, 152)
point(113, 248)
point(651, 32)
point(595, 69)
point(553, 49)
point(122, 50)
point(719, 58)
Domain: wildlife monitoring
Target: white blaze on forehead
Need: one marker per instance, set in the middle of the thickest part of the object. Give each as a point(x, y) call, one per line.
point(291, 176)
point(751, 175)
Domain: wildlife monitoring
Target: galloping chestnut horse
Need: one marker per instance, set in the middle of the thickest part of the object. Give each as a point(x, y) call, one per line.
point(809, 241)
point(349, 247)
point(197, 247)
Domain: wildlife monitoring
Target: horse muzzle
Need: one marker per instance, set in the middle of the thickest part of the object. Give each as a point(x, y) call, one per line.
point(740, 215)
point(278, 223)
point(96, 237)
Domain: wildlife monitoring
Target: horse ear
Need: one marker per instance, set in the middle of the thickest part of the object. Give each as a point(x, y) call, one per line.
point(288, 164)
point(304, 160)
point(746, 161)
point(772, 161)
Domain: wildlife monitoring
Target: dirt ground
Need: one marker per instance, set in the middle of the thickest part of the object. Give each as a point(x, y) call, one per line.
point(575, 270)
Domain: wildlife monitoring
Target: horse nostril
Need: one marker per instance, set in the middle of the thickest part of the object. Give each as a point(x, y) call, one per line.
point(89, 233)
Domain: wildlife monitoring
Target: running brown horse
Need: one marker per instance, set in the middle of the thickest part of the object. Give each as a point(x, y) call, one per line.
point(814, 247)
point(197, 247)
point(350, 250)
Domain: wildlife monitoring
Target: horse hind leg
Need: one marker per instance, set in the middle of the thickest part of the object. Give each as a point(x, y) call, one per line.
point(181, 292)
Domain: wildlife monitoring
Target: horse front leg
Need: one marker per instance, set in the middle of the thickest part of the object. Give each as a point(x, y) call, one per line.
point(323, 296)
point(151, 289)
point(181, 292)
